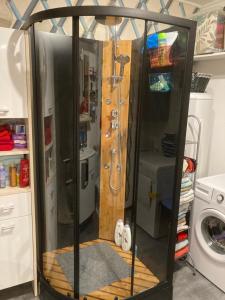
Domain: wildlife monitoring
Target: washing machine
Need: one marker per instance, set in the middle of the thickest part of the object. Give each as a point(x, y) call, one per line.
point(207, 235)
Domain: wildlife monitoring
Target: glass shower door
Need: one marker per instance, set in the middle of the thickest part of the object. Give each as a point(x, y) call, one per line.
point(108, 114)
point(108, 92)
point(160, 151)
point(55, 122)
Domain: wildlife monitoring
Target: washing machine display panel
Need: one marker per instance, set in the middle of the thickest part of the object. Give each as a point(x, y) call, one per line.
point(213, 230)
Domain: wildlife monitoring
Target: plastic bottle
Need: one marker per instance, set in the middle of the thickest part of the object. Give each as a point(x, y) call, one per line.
point(18, 175)
point(126, 238)
point(2, 177)
point(24, 173)
point(118, 232)
point(12, 175)
point(7, 181)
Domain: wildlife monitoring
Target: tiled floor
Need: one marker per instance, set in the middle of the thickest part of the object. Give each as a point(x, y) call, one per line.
point(23, 292)
point(189, 287)
point(186, 287)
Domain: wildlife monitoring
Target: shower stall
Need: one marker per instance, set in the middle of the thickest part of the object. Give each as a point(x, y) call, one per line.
point(110, 106)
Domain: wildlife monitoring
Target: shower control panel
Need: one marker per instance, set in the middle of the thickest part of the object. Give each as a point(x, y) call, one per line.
point(115, 113)
point(115, 119)
point(115, 124)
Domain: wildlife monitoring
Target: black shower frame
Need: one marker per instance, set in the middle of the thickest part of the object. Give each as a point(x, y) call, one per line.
point(164, 289)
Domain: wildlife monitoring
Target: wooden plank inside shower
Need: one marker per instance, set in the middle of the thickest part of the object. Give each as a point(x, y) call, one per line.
point(113, 182)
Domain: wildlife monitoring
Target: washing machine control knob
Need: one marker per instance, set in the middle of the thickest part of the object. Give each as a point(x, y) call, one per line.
point(220, 198)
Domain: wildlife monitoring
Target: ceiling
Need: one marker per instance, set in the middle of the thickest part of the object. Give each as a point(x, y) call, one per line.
point(21, 10)
point(203, 3)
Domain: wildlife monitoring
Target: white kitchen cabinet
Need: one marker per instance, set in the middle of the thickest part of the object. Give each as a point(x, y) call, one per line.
point(15, 205)
point(16, 259)
point(13, 85)
point(18, 262)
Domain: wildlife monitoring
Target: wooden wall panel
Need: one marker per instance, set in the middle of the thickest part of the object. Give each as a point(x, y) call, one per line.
point(112, 203)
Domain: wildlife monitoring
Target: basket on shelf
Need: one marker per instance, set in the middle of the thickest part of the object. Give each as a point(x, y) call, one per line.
point(199, 82)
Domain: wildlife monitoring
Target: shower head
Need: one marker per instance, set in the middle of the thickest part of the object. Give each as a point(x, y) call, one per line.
point(122, 60)
point(108, 21)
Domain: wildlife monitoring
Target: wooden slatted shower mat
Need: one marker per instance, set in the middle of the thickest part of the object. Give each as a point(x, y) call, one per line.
point(143, 278)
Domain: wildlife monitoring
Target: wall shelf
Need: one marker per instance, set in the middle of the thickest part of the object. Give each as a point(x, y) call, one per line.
point(13, 190)
point(211, 56)
point(85, 118)
point(14, 152)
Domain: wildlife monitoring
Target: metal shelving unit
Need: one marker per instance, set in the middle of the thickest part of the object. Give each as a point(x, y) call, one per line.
point(195, 143)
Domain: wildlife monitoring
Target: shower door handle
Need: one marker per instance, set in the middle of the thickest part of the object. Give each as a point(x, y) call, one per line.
point(68, 181)
point(66, 160)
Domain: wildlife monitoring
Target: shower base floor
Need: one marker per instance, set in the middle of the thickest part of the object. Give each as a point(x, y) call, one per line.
point(143, 278)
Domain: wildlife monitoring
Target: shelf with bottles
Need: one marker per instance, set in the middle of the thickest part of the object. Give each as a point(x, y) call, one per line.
point(14, 175)
point(14, 190)
point(85, 118)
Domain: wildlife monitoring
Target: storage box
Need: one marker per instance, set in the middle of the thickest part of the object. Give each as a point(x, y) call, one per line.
point(210, 32)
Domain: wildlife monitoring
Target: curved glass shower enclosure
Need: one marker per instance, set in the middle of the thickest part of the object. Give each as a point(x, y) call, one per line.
point(110, 110)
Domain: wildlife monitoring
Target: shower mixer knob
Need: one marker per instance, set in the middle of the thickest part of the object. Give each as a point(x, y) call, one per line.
point(115, 113)
point(108, 101)
point(115, 124)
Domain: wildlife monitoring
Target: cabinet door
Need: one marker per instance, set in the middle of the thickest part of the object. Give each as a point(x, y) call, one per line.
point(15, 205)
point(16, 259)
point(13, 100)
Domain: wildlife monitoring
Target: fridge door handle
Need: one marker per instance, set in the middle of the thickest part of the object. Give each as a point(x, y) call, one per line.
point(66, 160)
point(69, 181)
point(84, 174)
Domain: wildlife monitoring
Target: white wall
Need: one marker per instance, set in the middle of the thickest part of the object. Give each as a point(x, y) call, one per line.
point(217, 89)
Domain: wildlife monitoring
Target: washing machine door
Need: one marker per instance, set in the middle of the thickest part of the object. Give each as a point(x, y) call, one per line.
point(210, 232)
